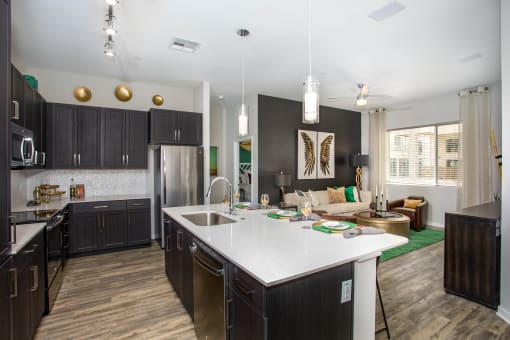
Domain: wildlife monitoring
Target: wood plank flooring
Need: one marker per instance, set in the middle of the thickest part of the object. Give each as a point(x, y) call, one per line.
point(126, 295)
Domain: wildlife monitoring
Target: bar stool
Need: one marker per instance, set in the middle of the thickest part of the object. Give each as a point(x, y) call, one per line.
point(385, 328)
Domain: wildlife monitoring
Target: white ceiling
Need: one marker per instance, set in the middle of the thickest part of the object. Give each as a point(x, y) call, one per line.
point(414, 54)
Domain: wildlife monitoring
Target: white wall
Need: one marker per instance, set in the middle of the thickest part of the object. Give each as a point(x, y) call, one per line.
point(56, 86)
point(218, 138)
point(504, 307)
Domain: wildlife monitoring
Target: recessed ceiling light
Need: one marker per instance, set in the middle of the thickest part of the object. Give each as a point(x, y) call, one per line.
point(387, 11)
point(184, 45)
point(471, 57)
point(220, 97)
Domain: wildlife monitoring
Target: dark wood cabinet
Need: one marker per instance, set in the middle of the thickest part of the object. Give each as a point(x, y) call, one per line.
point(138, 222)
point(73, 136)
point(6, 282)
point(28, 106)
point(472, 260)
point(96, 226)
point(28, 296)
point(247, 322)
point(17, 95)
point(175, 127)
point(84, 229)
point(114, 229)
point(178, 262)
point(124, 139)
point(5, 178)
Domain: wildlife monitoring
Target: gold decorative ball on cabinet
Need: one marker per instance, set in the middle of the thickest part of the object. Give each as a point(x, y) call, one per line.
point(82, 94)
point(123, 93)
point(157, 100)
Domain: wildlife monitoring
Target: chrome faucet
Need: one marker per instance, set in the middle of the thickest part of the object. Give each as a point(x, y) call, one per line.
point(231, 209)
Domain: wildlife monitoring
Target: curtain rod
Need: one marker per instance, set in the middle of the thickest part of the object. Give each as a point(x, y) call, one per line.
point(478, 89)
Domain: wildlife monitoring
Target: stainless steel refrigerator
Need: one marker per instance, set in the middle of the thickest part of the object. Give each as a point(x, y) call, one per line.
point(179, 179)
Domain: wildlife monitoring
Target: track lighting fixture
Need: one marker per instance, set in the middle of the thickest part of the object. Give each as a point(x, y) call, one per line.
point(110, 28)
point(109, 47)
point(111, 2)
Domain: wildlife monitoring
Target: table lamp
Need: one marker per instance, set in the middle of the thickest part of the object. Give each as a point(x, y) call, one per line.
point(358, 161)
point(281, 180)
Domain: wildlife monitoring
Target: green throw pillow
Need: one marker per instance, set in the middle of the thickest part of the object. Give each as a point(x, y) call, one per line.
point(349, 195)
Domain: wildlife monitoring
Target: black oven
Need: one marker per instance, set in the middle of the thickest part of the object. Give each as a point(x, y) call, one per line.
point(55, 256)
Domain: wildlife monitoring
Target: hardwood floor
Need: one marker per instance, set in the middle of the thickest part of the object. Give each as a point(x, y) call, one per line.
point(126, 295)
point(418, 308)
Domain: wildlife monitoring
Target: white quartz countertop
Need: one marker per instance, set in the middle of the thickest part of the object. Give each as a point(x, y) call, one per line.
point(24, 234)
point(275, 251)
point(61, 203)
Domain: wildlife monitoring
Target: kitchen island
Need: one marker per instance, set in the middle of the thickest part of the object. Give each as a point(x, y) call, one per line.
point(279, 253)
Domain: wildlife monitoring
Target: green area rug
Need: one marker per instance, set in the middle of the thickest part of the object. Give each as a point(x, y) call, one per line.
point(417, 240)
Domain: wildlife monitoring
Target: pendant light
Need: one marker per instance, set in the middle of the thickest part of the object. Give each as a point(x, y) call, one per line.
point(310, 85)
point(111, 2)
point(243, 129)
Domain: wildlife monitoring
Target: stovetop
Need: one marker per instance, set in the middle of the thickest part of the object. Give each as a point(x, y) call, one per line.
point(25, 217)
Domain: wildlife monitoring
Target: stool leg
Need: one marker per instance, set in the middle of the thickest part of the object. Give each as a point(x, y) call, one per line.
point(382, 309)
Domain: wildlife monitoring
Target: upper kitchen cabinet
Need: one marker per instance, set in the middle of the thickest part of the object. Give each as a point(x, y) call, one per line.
point(73, 136)
point(124, 139)
point(175, 127)
point(17, 96)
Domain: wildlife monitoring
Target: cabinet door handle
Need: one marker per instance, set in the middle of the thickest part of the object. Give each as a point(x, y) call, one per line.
point(179, 134)
point(79, 159)
point(246, 291)
point(15, 113)
point(127, 159)
point(15, 280)
point(12, 230)
point(168, 249)
point(74, 159)
point(175, 134)
point(43, 158)
point(136, 204)
point(179, 239)
point(228, 316)
point(123, 159)
point(100, 206)
point(35, 277)
point(129, 219)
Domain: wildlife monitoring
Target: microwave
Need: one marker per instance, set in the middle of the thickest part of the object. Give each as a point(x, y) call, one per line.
point(22, 147)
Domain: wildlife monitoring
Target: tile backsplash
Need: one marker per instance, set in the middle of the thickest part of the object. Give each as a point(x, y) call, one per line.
point(97, 182)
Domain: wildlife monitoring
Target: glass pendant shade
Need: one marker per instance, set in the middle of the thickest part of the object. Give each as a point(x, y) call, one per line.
point(110, 28)
point(361, 101)
point(310, 101)
point(109, 48)
point(243, 121)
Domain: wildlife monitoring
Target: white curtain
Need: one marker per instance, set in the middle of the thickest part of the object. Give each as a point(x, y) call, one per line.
point(475, 176)
point(377, 150)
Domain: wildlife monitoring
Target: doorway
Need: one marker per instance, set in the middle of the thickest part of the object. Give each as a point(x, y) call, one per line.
point(243, 168)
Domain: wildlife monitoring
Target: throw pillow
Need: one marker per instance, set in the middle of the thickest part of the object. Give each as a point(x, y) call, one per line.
point(336, 196)
point(314, 198)
point(357, 195)
point(411, 204)
point(349, 194)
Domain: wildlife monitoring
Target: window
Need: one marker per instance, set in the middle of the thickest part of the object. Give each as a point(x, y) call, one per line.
point(424, 155)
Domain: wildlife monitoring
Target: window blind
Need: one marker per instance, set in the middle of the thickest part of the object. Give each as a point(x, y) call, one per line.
point(425, 155)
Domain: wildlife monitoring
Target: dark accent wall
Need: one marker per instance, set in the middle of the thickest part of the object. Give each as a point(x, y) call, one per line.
point(278, 122)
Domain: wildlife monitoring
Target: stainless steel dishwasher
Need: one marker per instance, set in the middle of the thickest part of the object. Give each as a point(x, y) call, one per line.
point(209, 291)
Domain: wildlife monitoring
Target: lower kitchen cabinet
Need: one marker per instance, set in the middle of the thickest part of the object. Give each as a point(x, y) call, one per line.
point(106, 225)
point(29, 290)
point(178, 262)
point(6, 282)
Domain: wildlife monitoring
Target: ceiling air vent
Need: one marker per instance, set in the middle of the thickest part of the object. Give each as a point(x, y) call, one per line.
point(183, 45)
point(387, 11)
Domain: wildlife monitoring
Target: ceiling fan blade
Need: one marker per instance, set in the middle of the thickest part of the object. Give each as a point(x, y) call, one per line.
point(364, 90)
point(381, 96)
point(340, 98)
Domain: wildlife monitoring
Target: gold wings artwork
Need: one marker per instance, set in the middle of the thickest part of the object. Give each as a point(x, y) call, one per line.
point(325, 154)
point(309, 154)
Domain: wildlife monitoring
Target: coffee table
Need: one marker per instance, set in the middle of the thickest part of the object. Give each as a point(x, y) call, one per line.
point(393, 223)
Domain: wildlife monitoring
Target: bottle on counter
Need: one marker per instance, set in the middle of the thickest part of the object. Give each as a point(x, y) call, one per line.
point(72, 190)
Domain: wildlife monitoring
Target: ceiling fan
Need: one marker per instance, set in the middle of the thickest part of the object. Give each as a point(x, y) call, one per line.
point(361, 98)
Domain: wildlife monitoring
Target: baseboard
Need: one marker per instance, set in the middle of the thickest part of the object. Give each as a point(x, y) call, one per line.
point(504, 314)
point(436, 226)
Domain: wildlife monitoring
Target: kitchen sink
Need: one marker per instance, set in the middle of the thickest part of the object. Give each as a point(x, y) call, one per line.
point(209, 218)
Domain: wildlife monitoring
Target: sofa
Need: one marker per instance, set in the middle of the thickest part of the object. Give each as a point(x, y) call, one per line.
point(332, 208)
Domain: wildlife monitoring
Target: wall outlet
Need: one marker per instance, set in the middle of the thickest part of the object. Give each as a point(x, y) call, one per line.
point(346, 291)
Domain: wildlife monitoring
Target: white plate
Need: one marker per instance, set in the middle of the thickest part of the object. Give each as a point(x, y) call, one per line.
point(286, 213)
point(335, 225)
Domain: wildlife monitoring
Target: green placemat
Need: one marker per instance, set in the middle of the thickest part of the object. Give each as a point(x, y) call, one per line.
point(417, 240)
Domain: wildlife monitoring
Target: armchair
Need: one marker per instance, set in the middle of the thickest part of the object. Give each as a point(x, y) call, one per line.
point(417, 215)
